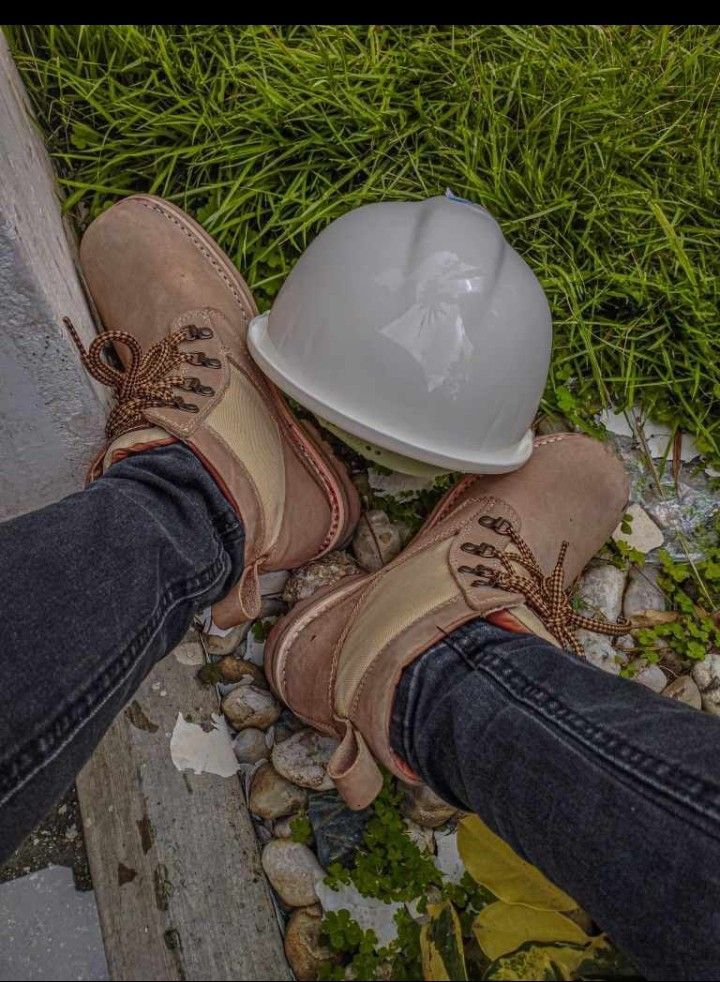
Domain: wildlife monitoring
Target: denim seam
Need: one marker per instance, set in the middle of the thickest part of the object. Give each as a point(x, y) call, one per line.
point(119, 671)
point(568, 720)
point(409, 699)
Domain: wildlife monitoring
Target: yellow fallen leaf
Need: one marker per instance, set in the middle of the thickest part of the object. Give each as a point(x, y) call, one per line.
point(493, 863)
point(441, 945)
point(532, 962)
point(501, 928)
point(596, 960)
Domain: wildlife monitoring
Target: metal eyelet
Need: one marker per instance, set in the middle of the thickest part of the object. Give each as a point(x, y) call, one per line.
point(500, 525)
point(187, 407)
point(193, 384)
point(201, 360)
point(485, 574)
point(195, 333)
point(483, 549)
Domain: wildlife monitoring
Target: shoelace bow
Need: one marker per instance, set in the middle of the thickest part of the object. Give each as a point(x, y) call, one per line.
point(148, 381)
point(545, 595)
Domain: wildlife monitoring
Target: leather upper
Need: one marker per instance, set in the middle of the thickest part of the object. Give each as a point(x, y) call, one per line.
point(336, 659)
point(152, 270)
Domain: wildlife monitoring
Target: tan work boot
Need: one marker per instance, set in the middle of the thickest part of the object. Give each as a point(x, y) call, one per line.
point(505, 546)
point(176, 311)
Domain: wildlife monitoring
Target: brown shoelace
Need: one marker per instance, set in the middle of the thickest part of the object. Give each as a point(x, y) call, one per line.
point(148, 381)
point(545, 595)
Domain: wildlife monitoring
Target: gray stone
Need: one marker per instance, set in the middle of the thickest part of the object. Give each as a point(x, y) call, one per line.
point(321, 572)
point(227, 643)
point(670, 660)
point(233, 669)
point(706, 675)
point(683, 689)
point(601, 589)
point(338, 830)
point(681, 504)
point(228, 671)
point(249, 705)
point(644, 534)
point(271, 796)
point(600, 651)
point(287, 724)
point(303, 946)
point(303, 759)
point(550, 423)
point(423, 806)
point(293, 871)
point(377, 540)
point(642, 592)
point(250, 746)
point(651, 676)
point(282, 827)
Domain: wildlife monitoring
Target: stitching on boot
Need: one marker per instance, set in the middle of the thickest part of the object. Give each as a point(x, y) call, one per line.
point(202, 248)
point(431, 613)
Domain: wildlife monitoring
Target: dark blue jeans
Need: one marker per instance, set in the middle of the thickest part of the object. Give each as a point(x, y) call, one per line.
point(95, 589)
point(612, 791)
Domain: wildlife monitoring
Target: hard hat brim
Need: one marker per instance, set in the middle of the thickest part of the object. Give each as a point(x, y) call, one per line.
point(269, 359)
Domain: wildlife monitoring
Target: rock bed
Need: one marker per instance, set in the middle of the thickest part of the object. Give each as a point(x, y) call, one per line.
point(283, 762)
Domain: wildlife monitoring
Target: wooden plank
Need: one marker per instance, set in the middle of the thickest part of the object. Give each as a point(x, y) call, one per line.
point(173, 855)
point(51, 414)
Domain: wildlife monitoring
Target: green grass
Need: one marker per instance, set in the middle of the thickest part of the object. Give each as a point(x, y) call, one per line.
point(597, 148)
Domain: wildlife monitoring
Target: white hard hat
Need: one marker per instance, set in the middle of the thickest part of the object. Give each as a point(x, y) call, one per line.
point(416, 327)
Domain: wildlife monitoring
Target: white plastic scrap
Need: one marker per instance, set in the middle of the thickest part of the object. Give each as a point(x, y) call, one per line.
point(370, 913)
point(658, 436)
point(448, 859)
point(207, 625)
point(616, 423)
point(659, 441)
point(644, 534)
point(203, 751)
point(254, 650)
